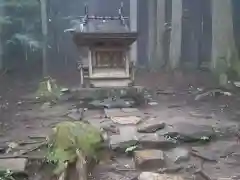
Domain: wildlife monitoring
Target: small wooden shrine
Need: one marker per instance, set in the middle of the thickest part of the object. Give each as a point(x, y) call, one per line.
point(107, 41)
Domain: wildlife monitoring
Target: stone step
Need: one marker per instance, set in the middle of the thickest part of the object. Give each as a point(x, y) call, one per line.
point(13, 164)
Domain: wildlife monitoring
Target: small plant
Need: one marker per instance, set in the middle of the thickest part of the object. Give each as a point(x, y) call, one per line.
point(6, 175)
point(49, 89)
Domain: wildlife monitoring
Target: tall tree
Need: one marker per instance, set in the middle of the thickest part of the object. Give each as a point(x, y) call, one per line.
point(1, 48)
point(152, 11)
point(161, 8)
point(176, 35)
point(44, 32)
point(133, 26)
point(224, 53)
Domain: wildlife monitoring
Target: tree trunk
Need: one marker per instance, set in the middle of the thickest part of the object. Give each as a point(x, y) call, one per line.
point(44, 33)
point(224, 53)
point(176, 35)
point(152, 11)
point(1, 48)
point(1, 52)
point(160, 61)
point(133, 26)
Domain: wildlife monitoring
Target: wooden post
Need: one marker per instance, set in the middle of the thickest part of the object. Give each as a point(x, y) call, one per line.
point(133, 26)
point(176, 35)
point(44, 20)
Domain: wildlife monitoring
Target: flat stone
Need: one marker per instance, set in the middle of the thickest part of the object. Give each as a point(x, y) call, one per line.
point(125, 139)
point(155, 141)
point(124, 115)
point(115, 175)
point(170, 170)
point(178, 155)
point(76, 114)
point(46, 105)
point(110, 103)
point(156, 176)
point(205, 154)
point(122, 112)
point(149, 159)
point(15, 165)
point(150, 126)
point(111, 129)
point(234, 148)
point(187, 132)
point(126, 120)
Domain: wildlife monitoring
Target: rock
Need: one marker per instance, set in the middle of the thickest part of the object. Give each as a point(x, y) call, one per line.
point(156, 176)
point(170, 170)
point(14, 165)
point(125, 139)
point(150, 126)
point(149, 159)
point(199, 115)
point(124, 115)
point(126, 120)
point(122, 112)
point(153, 103)
point(46, 105)
point(187, 132)
point(212, 93)
point(111, 129)
point(204, 154)
point(154, 141)
point(76, 114)
point(111, 103)
point(178, 155)
point(116, 175)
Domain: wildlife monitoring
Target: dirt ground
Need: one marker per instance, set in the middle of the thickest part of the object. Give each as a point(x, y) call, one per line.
point(20, 119)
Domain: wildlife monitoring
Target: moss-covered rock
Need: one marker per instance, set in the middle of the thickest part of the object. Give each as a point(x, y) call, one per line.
point(70, 137)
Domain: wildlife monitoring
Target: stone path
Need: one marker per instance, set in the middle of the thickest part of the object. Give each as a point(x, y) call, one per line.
point(155, 142)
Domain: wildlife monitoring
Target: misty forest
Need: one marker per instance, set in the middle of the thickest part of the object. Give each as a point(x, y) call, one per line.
point(119, 89)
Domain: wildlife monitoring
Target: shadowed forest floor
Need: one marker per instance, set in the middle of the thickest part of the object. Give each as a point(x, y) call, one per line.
point(175, 96)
